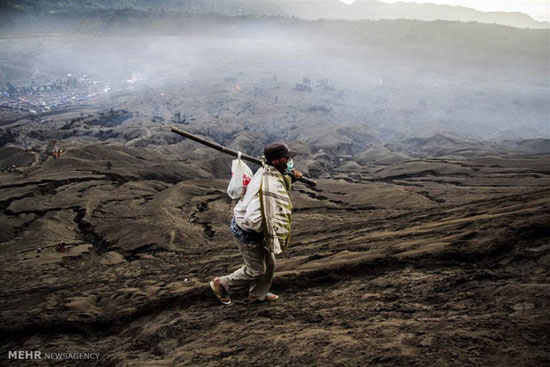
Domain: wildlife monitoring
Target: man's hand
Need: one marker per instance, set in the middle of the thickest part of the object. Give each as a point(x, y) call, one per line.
point(297, 174)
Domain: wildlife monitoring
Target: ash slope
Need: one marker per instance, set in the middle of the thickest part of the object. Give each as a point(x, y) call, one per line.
point(418, 262)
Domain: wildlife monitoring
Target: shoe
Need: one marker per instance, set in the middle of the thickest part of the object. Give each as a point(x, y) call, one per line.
point(225, 299)
point(269, 297)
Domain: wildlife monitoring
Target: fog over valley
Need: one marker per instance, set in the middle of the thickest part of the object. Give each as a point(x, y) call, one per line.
point(277, 76)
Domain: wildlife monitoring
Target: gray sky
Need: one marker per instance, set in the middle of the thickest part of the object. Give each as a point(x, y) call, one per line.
point(538, 9)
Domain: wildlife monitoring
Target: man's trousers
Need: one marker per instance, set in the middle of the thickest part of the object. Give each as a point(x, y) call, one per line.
point(256, 274)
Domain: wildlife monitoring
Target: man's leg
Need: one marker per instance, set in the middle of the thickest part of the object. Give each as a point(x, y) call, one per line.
point(260, 286)
point(254, 267)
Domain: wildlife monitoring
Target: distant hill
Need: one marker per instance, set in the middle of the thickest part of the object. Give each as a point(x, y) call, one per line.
point(441, 145)
point(306, 9)
point(537, 146)
point(438, 145)
point(484, 39)
point(375, 10)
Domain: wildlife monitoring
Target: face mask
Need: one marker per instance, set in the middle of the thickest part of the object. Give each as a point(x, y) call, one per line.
point(289, 166)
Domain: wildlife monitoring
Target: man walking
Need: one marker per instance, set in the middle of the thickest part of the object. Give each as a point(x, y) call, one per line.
point(261, 227)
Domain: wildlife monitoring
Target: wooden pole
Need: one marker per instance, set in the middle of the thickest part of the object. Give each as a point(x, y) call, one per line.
point(232, 152)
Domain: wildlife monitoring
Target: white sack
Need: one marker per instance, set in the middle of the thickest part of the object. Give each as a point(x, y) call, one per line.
point(240, 177)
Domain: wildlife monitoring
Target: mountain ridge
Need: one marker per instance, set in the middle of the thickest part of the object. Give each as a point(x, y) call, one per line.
point(324, 9)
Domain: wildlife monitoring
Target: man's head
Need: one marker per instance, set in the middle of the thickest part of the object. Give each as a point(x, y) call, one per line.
point(278, 154)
